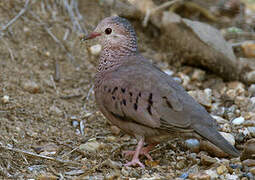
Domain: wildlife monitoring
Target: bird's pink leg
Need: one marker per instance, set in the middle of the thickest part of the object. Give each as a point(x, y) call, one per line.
point(144, 151)
point(135, 160)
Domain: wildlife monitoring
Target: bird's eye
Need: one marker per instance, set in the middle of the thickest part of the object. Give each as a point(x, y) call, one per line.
point(108, 31)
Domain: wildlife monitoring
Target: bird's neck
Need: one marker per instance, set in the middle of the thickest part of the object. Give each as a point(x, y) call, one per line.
point(111, 57)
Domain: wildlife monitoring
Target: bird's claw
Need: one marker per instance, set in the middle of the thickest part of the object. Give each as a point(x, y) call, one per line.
point(135, 162)
point(144, 152)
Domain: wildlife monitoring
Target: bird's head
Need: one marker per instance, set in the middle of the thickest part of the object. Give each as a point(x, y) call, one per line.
point(115, 32)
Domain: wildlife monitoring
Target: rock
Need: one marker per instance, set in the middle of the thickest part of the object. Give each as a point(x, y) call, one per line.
point(249, 162)
point(75, 172)
point(124, 172)
point(199, 176)
point(251, 104)
point(251, 131)
point(198, 75)
point(112, 175)
point(221, 169)
point(212, 149)
point(203, 97)
point(192, 144)
point(238, 121)
point(169, 72)
point(248, 49)
point(96, 49)
point(185, 79)
point(5, 99)
point(115, 130)
point(31, 87)
point(231, 177)
point(212, 173)
point(207, 160)
point(181, 164)
point(219, 119)
point(250, 76)
point(252, 89)
point(249, 150)
point(91, 146)
point(252, 170)
point(249, 123)
point(229, 137)
point(237, 86)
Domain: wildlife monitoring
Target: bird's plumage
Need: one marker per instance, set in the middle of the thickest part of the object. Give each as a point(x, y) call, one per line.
point(141, 99)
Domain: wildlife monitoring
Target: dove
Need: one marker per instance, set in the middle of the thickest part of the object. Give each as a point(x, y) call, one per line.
point(141, 99)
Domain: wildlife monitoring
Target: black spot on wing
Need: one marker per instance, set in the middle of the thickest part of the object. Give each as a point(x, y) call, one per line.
point(150, 99)
point(124, 102)
point(114, 90)
point(168, 103)
point(149, 109)
point(123, 90)
point(135, 106)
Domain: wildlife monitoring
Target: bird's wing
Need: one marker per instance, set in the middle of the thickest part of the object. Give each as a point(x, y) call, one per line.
point(141, 93)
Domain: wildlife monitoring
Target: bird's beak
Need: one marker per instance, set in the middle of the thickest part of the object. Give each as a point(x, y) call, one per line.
point(90, 36)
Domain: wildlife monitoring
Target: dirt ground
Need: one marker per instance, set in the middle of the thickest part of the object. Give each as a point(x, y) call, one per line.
point(50, 127)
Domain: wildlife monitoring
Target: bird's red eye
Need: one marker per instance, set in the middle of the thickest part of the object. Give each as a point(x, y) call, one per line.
point(108, 31)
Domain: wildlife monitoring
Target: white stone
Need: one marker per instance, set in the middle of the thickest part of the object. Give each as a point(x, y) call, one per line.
point(229, 137)
point(5, 99)
point(96, 49)
point(231, 177)
point(92, 146)
point(238, 121)
point(169, 72)
point(212, 173)
point(219, 119)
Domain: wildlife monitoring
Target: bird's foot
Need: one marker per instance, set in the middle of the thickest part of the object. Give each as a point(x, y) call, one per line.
point(134, 162)
point(144, 151)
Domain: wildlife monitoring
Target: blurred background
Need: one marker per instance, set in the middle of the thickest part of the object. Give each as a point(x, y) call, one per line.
point(50, 127)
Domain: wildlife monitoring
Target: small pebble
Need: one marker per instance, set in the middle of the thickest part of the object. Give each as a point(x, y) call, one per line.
point(96, 49)
point(249, 150)
point(222, 169)
point(231, 177)
point(250, 76)
point(198, 75)
point(5, 99)
point(212, 173)
point(169, 72)
point(115, 130)
point(192, 144)
point(219, 119)
point(199, 176)
point(92, 146)
point(124, 172)
point(229, 137)
point(207, 160)
point(252, 170)
point(249, 123)
point(252, 89)
point(203, 97)
point(249, 162)
point(75, 123)
point(251, 131)
point(31, 87)
point(238, 121)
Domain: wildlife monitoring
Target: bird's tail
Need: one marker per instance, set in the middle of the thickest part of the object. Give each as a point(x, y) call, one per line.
point(212, 135)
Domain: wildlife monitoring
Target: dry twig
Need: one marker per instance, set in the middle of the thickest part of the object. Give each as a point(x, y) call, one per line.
point(38, 155)
point(22, 11)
